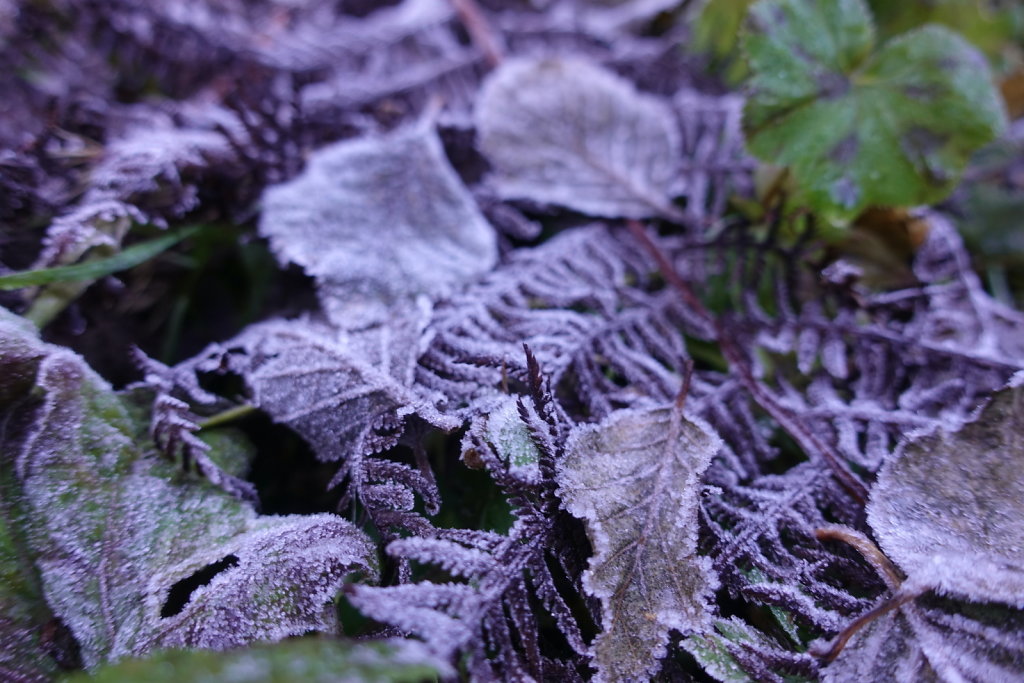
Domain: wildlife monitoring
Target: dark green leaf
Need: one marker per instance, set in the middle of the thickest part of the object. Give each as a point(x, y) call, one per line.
point(857, 126)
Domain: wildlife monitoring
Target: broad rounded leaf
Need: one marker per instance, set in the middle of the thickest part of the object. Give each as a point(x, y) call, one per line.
point(948, 507)
point(377, 221)
point(634, 479)
point(567, 132)
point(860, 127)
point(131, 556)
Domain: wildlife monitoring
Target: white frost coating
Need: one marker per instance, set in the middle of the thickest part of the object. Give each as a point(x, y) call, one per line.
point(923, 643)
point(634, 479)
point(947, 507)
point(111, 527)
point(570, 133)
point(377, 221)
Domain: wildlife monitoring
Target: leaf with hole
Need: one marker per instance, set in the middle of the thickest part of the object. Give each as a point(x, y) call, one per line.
point(129, 554)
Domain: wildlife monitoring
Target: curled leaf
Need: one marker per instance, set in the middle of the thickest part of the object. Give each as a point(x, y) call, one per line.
point(129, 556)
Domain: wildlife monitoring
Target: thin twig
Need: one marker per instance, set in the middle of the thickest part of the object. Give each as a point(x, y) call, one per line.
point(866, 547)
point(480, 31)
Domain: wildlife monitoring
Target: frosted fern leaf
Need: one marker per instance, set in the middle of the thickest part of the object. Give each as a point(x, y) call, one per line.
point(931, 639)
point(634, 479)
point(119, 542)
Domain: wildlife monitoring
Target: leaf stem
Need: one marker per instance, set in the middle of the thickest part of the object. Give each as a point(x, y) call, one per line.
point(811, 443)
point(897, 599)
point(866, 547)
point(229, 415)
point(480, 31)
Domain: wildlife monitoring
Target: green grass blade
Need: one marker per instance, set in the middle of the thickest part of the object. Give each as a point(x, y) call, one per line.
point(92, 270)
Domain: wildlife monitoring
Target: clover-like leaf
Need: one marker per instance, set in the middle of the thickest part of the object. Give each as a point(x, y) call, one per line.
point(947, 508)
point(857, 126)
point(129, 555)
point(376, 221)
point(311, 660)
point(634, 479)
point(569, 133)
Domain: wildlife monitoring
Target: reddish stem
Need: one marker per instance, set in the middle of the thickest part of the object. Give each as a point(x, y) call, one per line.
point(802, 433)
point(480, 31)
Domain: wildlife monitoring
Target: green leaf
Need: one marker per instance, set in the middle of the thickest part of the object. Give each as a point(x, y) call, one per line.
point(634, 479)
point(310, 660)
point(130, 554)
point(860, 126)
point(93, 270)
point(716, 33)
point(713, 650)
point(989, 28)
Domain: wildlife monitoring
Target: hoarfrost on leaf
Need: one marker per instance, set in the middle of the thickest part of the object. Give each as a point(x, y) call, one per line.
point(635, 481)
point(567, 132)
point(931, 639)
point(113, 531)
point(378, 221)
point(947, 508)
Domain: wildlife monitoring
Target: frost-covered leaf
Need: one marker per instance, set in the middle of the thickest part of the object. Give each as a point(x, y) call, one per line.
point(345, 392)
point(564, 131)
point(859, 126)
point(635, 481)
point(379, 221)
point(587, 305)
point(132, 557)
point(310, 660)
point(505, 432)
point(935, 640)
point(947, 508)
